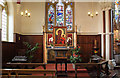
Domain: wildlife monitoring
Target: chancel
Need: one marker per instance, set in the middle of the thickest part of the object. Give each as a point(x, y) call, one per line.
point(59, 38)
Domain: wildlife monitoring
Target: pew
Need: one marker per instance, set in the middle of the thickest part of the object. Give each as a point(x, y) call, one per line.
point(24, 65)
point(29, 72)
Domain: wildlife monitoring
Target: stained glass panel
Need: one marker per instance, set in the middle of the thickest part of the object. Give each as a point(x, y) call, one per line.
point(60, 14)
point(69, 18)
point(117, 11)
point(51, 13)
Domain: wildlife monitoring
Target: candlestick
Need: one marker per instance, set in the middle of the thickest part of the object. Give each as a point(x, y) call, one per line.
point(95, 43)
point(43, 28)
point(76, 28)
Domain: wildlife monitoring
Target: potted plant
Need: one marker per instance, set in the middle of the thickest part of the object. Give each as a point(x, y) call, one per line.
point(76, 57)
point(30, 51)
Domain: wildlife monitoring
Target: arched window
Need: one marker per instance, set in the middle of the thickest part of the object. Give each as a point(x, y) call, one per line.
point(69, 18)
point(51, 14)
point(4, 25)
point(60, 14)
point(4, 21)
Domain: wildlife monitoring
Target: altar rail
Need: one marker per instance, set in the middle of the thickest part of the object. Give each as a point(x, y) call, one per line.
point(29, 72)
point(25, 65)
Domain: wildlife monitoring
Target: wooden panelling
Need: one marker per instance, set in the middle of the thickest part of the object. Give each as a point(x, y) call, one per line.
point(0, 49)
point(104, 31)
point(33, 39)
point(86, 43)
point(8, 51)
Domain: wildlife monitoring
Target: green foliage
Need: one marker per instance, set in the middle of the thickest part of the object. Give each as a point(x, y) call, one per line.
point(30, 50)
point(51, 44)
point(76, 57)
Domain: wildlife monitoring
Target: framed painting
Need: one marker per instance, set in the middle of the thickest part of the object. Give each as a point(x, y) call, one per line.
point(70, 39)
point(59, 36)
point(49, 39)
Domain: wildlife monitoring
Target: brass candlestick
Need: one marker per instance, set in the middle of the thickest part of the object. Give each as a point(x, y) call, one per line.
point(43, 28)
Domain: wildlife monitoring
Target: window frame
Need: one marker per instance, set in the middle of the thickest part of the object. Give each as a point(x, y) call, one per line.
point(5, 7)
point(54, 6)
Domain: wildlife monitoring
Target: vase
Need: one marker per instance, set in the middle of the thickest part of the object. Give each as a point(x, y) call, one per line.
point(73, 65)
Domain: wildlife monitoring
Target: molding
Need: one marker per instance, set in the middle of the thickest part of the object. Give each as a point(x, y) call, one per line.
point(31, 33)
point(87, 33)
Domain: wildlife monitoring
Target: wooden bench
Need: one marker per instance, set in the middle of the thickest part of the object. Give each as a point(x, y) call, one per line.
point(25, 65)
point(19, 72)
point(99, 67)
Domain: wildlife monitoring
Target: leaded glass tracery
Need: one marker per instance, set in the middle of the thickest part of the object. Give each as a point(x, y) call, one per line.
point(60, 14)
point(51, 13)
point(69, 18)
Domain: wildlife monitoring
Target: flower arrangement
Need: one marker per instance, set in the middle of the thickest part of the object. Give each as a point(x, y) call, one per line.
point(76, 57)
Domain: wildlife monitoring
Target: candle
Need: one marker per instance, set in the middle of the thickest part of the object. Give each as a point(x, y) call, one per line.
point(43, 28)
point(95, 43)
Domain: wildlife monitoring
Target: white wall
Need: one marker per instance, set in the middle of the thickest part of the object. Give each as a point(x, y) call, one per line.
point(10, 21)
point(33, 25)
point(87, 24)
point(17, 27)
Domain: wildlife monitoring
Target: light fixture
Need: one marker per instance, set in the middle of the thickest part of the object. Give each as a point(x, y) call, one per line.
point(18, 6)
point(53, 1)
point(91, 14)
point(26, 13)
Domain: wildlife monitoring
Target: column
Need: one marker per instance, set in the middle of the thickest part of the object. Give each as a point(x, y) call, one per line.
point(107, 34)
point(111, 33)
point(103, 37)
point(44, 48)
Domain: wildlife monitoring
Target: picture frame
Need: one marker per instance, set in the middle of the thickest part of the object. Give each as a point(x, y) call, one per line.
point(49, 39)
point(59, 36)
point(70, 39)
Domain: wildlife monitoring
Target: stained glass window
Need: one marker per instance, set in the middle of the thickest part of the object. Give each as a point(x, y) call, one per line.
point(69, 18)
point(51, 13)
point(117, 11)
point(60, 14)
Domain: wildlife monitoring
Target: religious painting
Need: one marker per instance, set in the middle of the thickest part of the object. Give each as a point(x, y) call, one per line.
point(59, 36)
point(70, 39)
point(49, 39)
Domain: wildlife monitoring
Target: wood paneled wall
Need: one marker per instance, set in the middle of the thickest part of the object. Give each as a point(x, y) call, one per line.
point(86, 43)
point(8, 51)
point(33, 39)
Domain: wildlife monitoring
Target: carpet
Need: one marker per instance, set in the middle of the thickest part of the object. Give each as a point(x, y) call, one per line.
point(81, 72)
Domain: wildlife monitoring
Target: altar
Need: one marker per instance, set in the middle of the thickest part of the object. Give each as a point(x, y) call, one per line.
point(59, 32)
point(58, 52)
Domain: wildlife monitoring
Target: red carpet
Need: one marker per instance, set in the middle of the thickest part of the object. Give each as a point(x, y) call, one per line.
point(82, 72)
